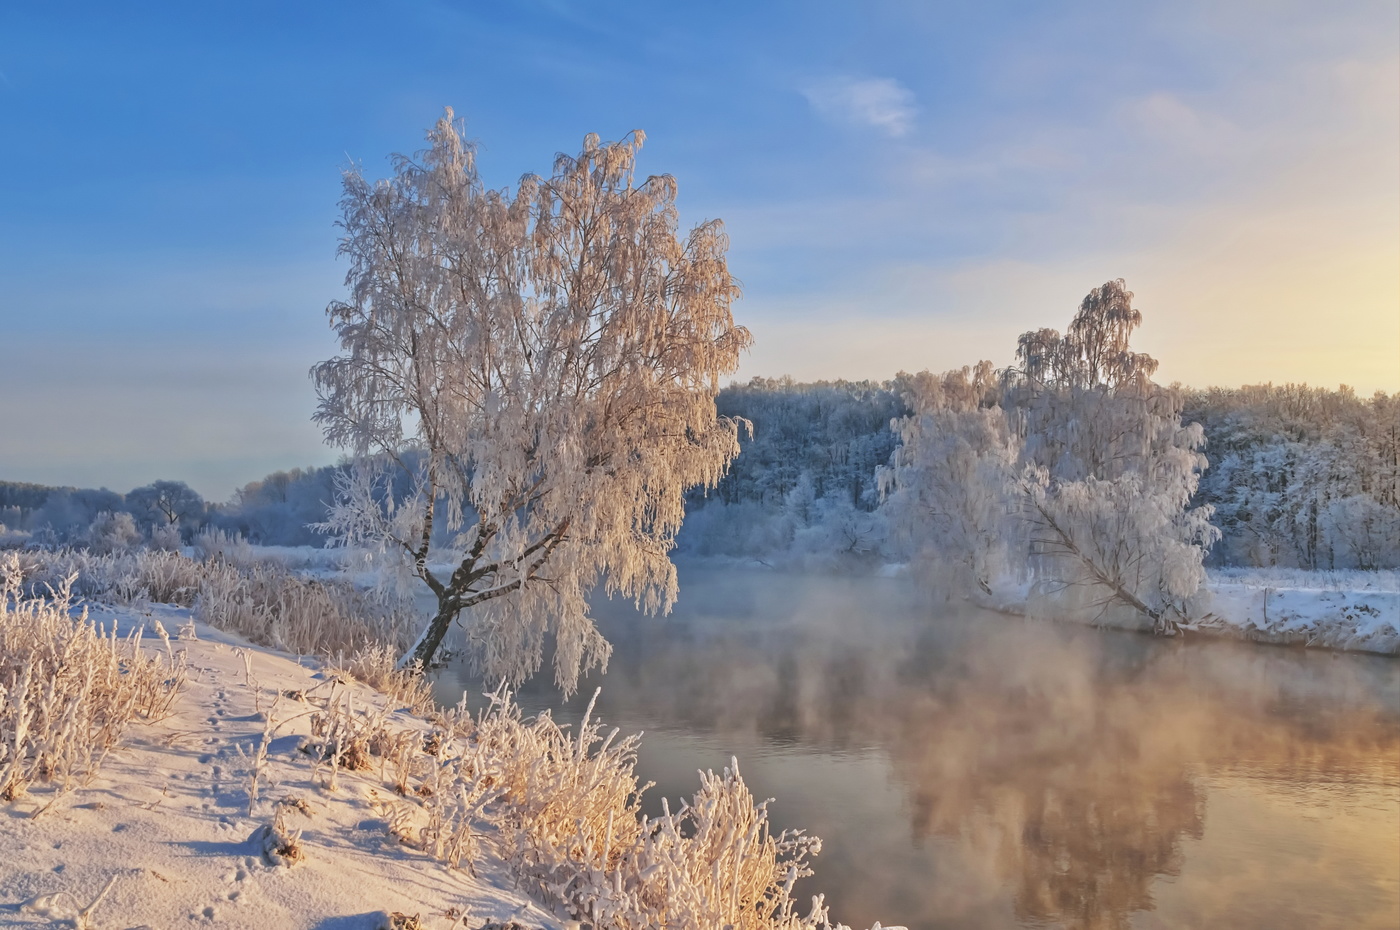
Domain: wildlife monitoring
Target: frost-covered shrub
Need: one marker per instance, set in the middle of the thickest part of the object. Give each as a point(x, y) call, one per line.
point(375, 664)
point(166, 538)
point(112, 532)
point(569, 802)
point(68, 689)
point(12, 538)
point(713, 863)
point(218, 545)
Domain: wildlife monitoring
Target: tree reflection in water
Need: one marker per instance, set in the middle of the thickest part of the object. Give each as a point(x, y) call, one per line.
point(1067, 763)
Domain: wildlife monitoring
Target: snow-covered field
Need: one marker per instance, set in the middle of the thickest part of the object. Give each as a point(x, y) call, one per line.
point(166, 822)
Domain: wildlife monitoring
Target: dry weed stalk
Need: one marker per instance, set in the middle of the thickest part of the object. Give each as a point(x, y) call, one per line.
point(68, 688)
point(374, 664)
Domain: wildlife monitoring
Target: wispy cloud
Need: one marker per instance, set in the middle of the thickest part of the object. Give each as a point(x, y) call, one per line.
point(879, 103)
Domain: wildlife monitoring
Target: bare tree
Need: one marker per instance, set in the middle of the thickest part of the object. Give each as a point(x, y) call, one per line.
point(539, 368)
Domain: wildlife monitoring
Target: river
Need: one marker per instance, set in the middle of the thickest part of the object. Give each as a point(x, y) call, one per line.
point(970, 770)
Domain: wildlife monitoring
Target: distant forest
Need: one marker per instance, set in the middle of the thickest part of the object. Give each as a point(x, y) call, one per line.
point(1298, 477)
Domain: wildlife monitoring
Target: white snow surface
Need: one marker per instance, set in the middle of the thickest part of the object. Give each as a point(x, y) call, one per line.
point(166, 821)
point(1352, 610)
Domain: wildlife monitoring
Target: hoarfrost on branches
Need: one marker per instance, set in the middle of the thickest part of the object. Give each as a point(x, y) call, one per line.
point(532, 373)
point(1076, 467)
point(950, 481)
point(1109, 469)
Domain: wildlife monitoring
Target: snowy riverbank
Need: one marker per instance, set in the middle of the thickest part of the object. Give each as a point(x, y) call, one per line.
point(166, 822)
point(1356, 611)
point(272, 790)
point(1352, 610)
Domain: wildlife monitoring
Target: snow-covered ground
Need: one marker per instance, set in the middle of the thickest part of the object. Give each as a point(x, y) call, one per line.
point(1350, 610)
point(166, 822)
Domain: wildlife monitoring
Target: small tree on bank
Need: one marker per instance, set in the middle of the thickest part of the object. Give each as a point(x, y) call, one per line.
point(538, 367)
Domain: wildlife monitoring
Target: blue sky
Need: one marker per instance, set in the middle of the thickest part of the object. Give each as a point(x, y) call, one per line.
point(906, 186)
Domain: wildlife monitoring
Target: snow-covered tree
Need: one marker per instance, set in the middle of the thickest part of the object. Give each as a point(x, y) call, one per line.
point(1074, 466)
point(166, 503)
point(1109, 470)
point(950, 482)
point(539, 366)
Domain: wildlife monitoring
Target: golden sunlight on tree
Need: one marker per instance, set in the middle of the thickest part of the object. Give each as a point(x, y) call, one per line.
point(528, 382)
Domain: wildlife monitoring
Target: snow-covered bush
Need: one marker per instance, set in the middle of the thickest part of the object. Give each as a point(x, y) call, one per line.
point(112, 532)
point(68, 689)
point(166, 537)
point(216, 545)
point(570, 825)
point(713, 863)
point(569, 803)
point(375, 664)
point(11, 538)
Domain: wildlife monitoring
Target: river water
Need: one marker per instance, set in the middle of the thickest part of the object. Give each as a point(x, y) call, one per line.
point(969, 770)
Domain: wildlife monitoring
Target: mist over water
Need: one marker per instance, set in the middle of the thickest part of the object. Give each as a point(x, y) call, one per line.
point(971, 770)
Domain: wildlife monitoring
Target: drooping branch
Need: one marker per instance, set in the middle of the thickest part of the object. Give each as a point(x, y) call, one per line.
point(1101, 576)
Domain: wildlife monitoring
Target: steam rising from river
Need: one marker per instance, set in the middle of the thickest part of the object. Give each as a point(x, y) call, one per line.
point(974, 770)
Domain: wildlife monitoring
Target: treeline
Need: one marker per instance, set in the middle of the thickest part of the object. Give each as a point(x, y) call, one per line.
point(276, 510)
point(1298, 476)
point(1301, 477)
point(804, 482)
point(164, 513)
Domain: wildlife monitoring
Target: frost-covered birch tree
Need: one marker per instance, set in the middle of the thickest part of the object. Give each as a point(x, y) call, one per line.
point(1076, 468)
point(1108, 468)
point(540, 366)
